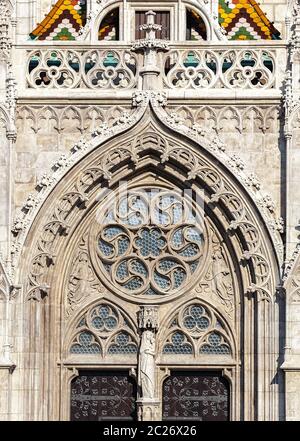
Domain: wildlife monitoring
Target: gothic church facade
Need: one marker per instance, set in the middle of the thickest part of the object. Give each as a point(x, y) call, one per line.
point(150, 206)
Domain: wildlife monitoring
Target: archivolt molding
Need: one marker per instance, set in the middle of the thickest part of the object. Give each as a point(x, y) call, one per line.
point(59, 223)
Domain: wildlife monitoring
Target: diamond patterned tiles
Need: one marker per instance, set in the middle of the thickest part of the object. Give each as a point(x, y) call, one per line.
point(244, 20)
point(63, 21)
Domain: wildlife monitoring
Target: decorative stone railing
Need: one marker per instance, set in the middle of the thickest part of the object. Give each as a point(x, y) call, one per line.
point(182, 66)
point(224, 68)
point(93, 69)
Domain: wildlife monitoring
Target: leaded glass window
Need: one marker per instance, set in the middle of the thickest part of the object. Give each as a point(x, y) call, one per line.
point(85, 344)
point(151, 242)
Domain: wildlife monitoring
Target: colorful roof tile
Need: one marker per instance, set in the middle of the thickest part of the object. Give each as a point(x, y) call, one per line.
point(244, 20)
point(63, 21)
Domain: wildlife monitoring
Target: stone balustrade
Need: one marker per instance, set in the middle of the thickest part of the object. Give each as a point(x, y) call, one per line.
point(184, 66)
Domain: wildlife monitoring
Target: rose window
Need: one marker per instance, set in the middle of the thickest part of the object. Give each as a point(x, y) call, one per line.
point(150, 242)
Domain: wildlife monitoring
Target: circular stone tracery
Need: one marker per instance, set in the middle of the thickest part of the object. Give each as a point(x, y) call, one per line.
point(150, 242)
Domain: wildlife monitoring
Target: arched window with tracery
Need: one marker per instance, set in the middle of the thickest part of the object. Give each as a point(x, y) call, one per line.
point(109, 29)
point(195, 26)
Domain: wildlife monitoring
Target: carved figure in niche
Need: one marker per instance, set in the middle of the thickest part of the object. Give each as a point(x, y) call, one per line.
point(147, 364)
point(80, 278)
point(221, 277)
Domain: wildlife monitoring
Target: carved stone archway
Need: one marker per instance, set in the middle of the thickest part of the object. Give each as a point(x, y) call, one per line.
point(151, 151)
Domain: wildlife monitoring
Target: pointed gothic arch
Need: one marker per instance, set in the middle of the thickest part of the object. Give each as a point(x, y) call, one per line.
point(149, 153)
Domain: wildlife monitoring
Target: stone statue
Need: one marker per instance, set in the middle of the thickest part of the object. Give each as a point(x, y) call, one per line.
point(147, 364)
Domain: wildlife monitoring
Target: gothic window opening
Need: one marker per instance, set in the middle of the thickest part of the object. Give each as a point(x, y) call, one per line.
point(103, 396)
point(162, 18)
point(195, 396)
point(110, 26)
point(196, 331)
point(195, 26)
point(104, 331)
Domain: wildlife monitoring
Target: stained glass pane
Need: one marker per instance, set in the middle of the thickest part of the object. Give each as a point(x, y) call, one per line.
point(123, 344)
point(178, 345)
point(85, 344)
point(215, 346)
point(195, 318)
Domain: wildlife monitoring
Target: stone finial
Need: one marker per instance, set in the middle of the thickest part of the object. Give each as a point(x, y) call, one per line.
point(150, 46)
point(150, 26)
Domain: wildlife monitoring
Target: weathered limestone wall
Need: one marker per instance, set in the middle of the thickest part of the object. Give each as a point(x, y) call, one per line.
point(45, 133)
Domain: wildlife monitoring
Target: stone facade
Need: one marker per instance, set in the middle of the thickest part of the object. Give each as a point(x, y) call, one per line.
point(85, 122)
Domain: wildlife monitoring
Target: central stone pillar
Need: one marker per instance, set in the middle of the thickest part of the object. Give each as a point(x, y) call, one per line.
point(149, 408)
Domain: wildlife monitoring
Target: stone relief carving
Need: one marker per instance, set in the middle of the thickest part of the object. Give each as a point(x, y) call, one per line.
point(60, 119)
point(148, 317)
point(221, 278)
point(217, 284)
point(83, 283)
point(217, 119)
point(294, 294)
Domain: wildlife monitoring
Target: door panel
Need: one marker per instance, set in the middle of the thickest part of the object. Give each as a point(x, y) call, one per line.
point(195, 396)
point(103, 396)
